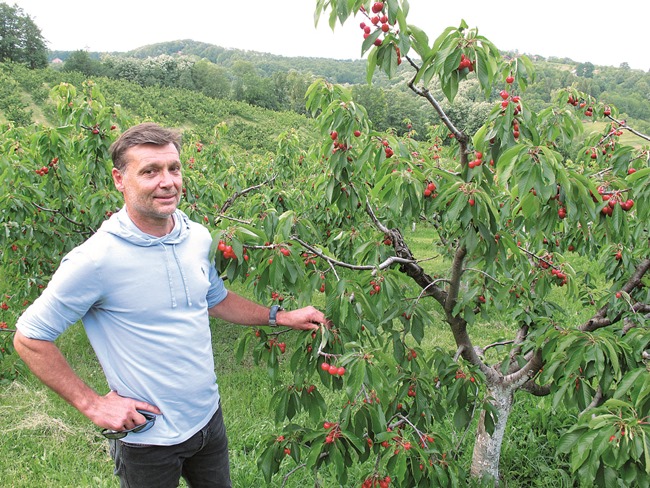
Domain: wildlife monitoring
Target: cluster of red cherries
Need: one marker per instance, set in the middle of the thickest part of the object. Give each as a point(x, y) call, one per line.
point(378, 19)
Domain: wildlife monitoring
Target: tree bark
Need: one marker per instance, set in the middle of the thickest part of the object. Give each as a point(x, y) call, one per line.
point(487, 450)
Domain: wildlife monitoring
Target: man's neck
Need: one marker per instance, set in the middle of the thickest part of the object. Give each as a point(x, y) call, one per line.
point(156, 228)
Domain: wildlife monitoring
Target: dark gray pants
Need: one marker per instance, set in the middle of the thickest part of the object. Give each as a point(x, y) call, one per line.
point(202, 460)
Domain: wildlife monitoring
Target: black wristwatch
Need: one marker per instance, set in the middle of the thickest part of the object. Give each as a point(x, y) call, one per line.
point(272, 315)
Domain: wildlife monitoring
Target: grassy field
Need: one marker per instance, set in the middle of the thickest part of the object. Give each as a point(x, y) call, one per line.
point(627, 138)
point(47, 443)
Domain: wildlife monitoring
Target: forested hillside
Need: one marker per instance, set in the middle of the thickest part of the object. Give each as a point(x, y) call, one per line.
point(279, 83)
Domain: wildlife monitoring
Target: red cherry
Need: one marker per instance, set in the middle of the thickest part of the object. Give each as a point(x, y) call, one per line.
point(471, 202)
point(627, 205)
point(377, 7)
point(510, 79)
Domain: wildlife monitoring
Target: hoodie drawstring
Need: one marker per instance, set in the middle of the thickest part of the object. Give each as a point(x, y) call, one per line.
point(170, 278)
point(180, 268)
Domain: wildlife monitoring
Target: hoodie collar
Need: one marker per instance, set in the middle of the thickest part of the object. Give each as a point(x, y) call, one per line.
point(121, 225)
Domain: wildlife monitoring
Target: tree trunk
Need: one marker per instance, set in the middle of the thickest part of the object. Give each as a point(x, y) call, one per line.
point(487, 450)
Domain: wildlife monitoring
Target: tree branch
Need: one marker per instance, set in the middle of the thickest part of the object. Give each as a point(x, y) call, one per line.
point(426, 94)
point(359, 267)
point(597, 400)
point(525, 374)
point(228, 203)
point(410, 266)
point(57, 211)
point(600, 319)
point(454, 285)
point(623, 125)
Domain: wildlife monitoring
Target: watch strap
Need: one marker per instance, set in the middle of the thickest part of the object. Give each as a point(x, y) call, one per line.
point(273, 314)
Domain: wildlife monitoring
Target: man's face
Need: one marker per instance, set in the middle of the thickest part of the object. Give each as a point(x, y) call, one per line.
point(151, 185)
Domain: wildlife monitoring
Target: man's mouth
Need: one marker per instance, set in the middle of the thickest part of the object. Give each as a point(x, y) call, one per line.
point(166, 197)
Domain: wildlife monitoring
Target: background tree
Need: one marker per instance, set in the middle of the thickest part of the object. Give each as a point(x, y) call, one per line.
point(82, 62)
point(20, 39)
point(211, 80)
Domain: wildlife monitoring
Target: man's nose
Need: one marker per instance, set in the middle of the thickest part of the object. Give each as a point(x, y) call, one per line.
point(166, 179)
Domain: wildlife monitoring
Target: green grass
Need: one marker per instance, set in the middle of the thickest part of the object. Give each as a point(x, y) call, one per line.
point(627, 138)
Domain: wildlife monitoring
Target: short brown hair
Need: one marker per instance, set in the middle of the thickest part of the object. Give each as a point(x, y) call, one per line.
point(145, 133)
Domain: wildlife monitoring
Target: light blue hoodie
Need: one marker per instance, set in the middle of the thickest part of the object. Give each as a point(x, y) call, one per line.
point(143, 301)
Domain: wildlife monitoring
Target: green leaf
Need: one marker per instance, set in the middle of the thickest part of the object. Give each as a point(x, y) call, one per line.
point(420, 42)
point(285, 225)
point(267, 464)
point(370, 65)
point(461, 418)
point(582, 450)
point(569, 440)
point(506, 163)
point(355, 376)
point(450, 85)
point(241, 347)
point(489, 419)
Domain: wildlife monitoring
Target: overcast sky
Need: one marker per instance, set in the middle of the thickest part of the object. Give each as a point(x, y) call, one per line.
point(599, 31)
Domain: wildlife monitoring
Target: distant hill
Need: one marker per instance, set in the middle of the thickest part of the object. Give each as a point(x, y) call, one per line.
point(338, 71)
point(623, 87)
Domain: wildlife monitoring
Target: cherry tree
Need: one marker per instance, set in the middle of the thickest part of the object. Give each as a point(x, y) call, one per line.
point(510, 207)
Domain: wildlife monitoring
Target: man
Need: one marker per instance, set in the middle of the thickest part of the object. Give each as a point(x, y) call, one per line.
point(144, 288)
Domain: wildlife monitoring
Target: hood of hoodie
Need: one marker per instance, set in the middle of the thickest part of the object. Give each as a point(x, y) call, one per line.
point(121, 225)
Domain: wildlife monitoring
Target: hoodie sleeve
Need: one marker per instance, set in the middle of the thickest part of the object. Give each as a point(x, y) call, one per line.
point(73, 289)
point(217, 291)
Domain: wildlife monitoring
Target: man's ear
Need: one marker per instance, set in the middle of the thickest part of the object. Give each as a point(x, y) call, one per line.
point(118, 179)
